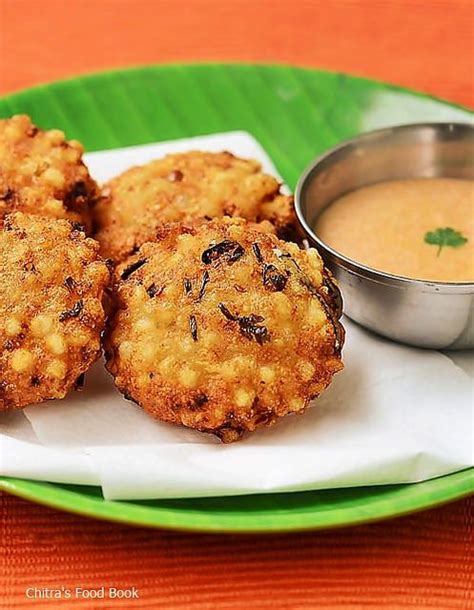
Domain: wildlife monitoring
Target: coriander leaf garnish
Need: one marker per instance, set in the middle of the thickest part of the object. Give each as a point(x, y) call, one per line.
point(445, 237)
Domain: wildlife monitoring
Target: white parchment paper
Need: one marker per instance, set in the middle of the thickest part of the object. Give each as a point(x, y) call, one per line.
point(395, 414)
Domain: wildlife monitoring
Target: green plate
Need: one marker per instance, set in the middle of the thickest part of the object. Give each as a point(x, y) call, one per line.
point(295, 114)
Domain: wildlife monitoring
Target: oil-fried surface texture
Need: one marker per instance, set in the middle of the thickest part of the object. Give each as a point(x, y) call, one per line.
point(182, 188)
point(223, 328)
point(51, 314)
point(41, 173)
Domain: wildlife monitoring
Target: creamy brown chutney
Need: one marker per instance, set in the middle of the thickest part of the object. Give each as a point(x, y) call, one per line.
point(419, 228)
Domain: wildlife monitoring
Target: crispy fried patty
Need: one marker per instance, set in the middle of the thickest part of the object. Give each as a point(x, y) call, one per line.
point(223, 328)
point(41, 173)
point(184, 187)
point(51, 315)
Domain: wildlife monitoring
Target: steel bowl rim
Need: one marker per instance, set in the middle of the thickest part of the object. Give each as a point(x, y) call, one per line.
point(353, 266)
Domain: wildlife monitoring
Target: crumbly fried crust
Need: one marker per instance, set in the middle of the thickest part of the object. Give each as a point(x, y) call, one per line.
point(41, 173)
point(182, 188)
point(223, 328)
point(51, 315)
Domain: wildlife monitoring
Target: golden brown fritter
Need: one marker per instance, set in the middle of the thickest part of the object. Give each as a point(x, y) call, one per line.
point(51, 315)
point(184, 187)
point(223, 328)
point(41, 173)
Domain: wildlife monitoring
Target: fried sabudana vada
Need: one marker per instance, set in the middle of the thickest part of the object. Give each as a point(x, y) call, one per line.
point(51, 315)
point(223, 328)
point(184, 187)
point(41, 173)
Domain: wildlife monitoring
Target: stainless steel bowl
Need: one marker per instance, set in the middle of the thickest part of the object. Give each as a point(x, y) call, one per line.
point(423, 313)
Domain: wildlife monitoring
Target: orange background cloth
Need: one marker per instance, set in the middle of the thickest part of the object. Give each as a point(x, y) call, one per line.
point(424, 44)
point(422, 561)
